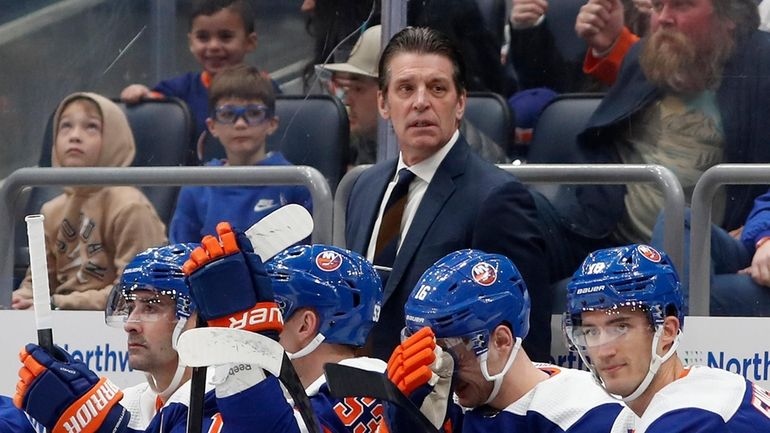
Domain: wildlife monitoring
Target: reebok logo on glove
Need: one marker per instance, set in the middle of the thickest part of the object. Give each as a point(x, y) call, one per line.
point(89, 408)
point(265, 316)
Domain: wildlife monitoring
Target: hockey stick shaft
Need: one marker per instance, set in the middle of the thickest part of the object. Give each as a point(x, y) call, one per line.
point(41, 294)
point(197, 392)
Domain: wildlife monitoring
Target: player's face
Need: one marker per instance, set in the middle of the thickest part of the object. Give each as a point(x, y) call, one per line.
point(79, 135)
point(244, 140)
point(220, 40)
point(422, 103)
point(471, 388)
point(619, 344)
point(150, 326)
point(361, 101)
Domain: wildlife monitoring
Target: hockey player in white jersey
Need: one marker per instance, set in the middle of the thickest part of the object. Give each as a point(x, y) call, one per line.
point(625, 317)
point(466, 318)
point(331, 299)
point(154, 304)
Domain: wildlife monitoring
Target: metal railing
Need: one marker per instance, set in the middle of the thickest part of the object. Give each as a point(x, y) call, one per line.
point(700, 224)
point(673, 207)
point(155, 176)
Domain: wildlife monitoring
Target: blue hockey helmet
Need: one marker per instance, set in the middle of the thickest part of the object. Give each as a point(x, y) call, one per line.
point(158, 270)
point(341, 286)
point(468, 293)
point(635, 275)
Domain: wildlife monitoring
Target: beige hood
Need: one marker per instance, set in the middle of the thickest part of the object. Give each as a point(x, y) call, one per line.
point(118, 148)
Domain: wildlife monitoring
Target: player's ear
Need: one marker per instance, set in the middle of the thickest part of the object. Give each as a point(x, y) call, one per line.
point(671, 328)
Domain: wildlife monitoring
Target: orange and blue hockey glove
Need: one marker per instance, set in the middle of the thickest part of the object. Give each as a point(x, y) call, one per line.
point(61, 393)
point(230, 286)
point(423, 372)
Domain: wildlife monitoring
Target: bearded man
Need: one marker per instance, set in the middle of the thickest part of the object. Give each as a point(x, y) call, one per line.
point(692, 94)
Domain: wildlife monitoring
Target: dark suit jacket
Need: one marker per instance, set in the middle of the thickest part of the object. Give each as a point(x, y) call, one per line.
point(470, 203)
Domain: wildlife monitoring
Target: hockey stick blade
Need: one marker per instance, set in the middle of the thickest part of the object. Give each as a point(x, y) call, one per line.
point(269, 236)
point(203, 347)
point(279, 230)
point(218, 346)
point(345, 381)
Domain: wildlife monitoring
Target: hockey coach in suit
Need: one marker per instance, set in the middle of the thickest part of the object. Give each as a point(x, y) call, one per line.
point(438, 196)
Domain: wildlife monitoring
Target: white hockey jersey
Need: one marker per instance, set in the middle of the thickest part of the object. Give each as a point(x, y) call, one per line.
point(707, 400)
point(568, 401)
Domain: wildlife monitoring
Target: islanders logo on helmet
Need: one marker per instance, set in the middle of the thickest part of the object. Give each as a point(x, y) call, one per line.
point(635, 275)
point(341, 286)
point(484, 274)
point(469, 293)
point(649, 253)
point(328, 260)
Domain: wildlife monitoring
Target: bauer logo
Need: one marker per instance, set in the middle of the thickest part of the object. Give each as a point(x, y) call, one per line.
point(484, 274)
point(592, 289)
point(649, 253)
point(328, 261)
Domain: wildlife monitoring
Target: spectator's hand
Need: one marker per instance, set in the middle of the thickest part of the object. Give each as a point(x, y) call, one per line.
point(525, 13)
point(643, 6)
point(423, 371)
point(134, 93)
point(760, 265)
point(57, 390)
point(19, 302)
point(230, 286)
point(736, 233)
point(600, 23)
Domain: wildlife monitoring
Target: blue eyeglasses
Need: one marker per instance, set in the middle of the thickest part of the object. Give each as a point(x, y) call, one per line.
point(253, 114)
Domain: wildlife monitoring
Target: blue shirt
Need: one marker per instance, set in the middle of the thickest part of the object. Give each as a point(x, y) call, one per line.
point(200, 208)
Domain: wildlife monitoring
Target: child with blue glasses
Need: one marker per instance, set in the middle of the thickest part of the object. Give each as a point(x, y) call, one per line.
point(241, 107)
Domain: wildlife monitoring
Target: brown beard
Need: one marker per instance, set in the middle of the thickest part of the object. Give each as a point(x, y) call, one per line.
point(674, 61)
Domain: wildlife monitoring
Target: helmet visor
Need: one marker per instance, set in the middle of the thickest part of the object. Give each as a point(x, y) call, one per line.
point(138, 305)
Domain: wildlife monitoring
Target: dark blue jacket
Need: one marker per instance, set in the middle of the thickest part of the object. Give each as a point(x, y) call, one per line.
point(469, 203)
point(742, 96)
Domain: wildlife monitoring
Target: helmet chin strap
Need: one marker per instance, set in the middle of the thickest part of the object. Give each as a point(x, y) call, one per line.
point(655, 363)
point(180, 369)
point(497, 379)
point(314, 343)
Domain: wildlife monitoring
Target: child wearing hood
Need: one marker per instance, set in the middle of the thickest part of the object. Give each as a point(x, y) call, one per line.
point(91, 232)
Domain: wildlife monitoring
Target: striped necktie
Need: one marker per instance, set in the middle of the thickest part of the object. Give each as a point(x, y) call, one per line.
point(390, 226)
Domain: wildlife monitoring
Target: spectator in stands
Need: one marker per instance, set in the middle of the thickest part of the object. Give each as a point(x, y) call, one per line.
point(356, 81)
point(91, 232)
point(545, 52)
point(437, 196)
point(221, 34)
point(690, 95)
point(331, 21)
point(242, 107)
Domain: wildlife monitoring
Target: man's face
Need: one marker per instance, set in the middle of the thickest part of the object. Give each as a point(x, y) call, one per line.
point(619, 344)
point(471, 388)
point(220, 40)
point(360, 97)
point(422, 103)
point(150, 326)
point(688, 44)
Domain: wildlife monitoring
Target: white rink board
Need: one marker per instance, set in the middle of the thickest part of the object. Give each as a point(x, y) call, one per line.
point(737, 344)
point(83, 333)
